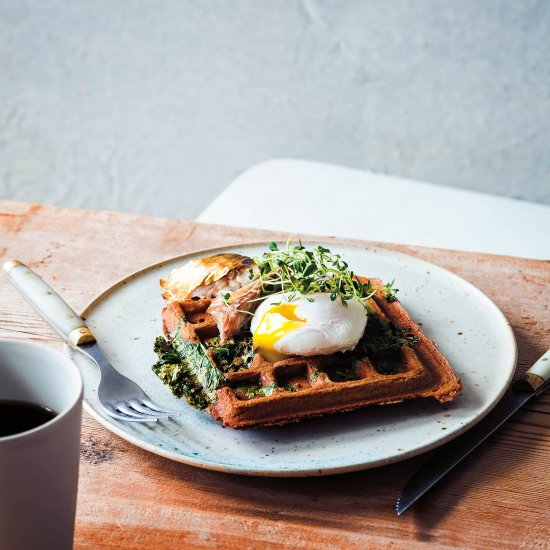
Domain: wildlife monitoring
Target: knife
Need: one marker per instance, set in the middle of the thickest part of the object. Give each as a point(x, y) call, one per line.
point(535, 381)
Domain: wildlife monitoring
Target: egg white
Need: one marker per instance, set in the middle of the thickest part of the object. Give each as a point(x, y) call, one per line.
point(329, 326)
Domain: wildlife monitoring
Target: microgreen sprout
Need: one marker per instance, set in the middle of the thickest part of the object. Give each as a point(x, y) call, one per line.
point(296, 270)
point(390, 291)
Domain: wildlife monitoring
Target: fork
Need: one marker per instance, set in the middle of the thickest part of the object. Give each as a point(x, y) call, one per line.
point(120, 397)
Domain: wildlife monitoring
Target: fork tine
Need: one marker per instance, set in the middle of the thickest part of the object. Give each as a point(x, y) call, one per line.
point(157, 408)
point(137, 406)
point(125, 409)
point(112, 412)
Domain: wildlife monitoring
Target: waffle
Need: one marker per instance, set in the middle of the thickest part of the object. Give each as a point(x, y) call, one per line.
point(266, 394)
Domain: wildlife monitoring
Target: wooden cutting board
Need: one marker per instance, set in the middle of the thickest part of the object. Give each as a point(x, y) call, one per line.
point(129, 498)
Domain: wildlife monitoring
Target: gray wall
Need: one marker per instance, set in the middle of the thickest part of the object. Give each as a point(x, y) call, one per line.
point(155, 106)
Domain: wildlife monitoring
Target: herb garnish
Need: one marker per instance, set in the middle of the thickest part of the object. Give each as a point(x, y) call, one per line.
point(387, 338)
point(295, 270)
point(390, 291)
point(344, 374)
point(176, 373)
point(255, 390)
point(187, 369)
point(234, 354)
point(383, 342)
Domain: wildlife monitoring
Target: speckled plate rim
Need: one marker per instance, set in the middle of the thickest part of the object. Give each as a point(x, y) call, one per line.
point(509, 340)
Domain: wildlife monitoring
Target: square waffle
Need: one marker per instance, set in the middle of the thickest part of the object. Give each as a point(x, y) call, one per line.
point(262, 393)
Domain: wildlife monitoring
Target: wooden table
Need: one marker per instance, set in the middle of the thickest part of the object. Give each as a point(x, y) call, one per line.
point(129, 498)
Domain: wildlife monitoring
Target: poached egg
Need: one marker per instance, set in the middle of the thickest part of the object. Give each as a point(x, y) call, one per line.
point(312, 325)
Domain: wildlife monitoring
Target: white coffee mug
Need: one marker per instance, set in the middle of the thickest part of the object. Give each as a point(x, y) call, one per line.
point(39, 467)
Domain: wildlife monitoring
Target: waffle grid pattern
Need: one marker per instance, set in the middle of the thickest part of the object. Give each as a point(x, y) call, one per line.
point(267, 393)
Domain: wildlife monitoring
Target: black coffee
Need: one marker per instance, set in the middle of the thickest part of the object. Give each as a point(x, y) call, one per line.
point(20, 416)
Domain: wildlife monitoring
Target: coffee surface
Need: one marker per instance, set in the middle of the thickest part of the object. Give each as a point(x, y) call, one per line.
point(21, 416)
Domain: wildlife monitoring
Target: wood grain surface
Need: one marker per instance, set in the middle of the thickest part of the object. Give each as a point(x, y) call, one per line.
point(129, 498)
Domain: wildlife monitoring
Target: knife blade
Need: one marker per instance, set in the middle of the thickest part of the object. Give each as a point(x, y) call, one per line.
point(534, 382)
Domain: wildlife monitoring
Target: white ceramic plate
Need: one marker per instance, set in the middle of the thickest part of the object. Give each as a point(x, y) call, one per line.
point(468, 327)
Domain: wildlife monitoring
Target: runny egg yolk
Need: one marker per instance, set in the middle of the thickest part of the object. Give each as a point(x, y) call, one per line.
point(274, 324)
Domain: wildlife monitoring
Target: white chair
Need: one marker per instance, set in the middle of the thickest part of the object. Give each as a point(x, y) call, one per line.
point(311, 197)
